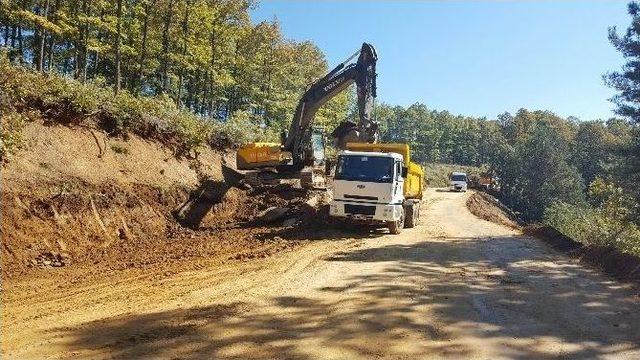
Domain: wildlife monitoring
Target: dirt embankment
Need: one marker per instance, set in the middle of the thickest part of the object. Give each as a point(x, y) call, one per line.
point(488, 208)
point(75, 198)
point(610, 260)
point(625, 267)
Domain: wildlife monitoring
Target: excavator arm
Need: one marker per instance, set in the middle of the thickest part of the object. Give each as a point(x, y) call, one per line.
point(363, 74)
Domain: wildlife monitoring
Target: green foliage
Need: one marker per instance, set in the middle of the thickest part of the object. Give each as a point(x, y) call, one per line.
point(240, 129)
point(538, 157)
point(205, 56)
point(11, 139)
point(62, 100)
point(626, 82)
point(606, 223)
point(120, 149)
point(11, 123)
point(434, 136)
point(536, 171)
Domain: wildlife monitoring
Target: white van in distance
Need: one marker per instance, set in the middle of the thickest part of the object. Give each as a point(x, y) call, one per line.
point(458, 181)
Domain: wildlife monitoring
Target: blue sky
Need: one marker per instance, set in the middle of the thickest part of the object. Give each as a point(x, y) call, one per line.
point(471, 58)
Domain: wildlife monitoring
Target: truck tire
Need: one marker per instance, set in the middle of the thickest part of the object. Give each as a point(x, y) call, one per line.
point(395, 227)
point(416, 214)
point(412, 214)
point(409, 215)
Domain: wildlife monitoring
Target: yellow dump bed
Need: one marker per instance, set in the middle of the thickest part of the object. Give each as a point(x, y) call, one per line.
point(414, 182)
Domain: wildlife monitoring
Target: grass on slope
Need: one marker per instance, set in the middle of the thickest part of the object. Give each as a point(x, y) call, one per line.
point(26, 95)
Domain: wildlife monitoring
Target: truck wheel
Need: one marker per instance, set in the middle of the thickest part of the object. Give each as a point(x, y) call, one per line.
point(410, 216)
point(395, 227)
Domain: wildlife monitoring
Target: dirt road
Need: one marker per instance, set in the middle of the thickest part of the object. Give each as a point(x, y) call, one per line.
point(454, 287)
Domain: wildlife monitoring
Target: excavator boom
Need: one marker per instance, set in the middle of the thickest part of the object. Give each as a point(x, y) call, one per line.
point(299, 147)
point(363, 74)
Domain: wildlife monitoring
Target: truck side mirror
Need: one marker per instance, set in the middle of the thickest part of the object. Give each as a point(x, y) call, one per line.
point(405, 172)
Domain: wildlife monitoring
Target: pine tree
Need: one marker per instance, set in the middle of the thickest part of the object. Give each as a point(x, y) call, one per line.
point(627, 81)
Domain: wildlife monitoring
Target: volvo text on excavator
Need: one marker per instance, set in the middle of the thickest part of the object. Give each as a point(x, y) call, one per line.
point(302, 149)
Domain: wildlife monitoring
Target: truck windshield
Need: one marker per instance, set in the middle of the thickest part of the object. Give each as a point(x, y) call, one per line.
point(365, 168)
point(458, 178)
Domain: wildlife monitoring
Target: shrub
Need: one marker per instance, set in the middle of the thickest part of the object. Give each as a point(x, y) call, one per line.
point(119, 149)
point(240, 129)
point(10, 133)
point(62, 100)
point(606, 223)
point(11, 123)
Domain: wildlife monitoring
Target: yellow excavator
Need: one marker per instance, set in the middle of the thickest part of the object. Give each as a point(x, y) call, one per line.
point(301, 153)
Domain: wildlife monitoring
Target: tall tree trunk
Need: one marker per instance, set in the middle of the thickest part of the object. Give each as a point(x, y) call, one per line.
point(165, 48)
point(210, 77)
point(118, 41)
point(20, 44)
point(96, 64)
point(194, 94)
point(52, 39)
point(185, 36)
point(14, 35)
point(42, 38)
point(50, 51)
point(143, 49)
point(206, 98)
point(81, 47)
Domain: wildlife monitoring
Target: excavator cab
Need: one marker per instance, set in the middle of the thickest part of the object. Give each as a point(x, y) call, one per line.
point(318, 147)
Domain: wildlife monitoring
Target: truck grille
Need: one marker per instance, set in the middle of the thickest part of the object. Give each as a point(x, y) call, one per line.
point(361, 197)
point(359, 209)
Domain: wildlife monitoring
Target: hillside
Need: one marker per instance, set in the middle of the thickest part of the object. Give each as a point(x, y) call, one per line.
point(74, 196)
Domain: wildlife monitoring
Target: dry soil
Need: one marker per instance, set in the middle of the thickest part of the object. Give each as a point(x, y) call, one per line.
point(453, 287)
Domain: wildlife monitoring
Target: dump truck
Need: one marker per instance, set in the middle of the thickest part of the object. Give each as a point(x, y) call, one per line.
point(377, 184)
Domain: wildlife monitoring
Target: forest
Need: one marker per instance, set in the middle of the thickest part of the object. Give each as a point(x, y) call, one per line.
point(578, 176)
point(205, 56)
point(208, 69)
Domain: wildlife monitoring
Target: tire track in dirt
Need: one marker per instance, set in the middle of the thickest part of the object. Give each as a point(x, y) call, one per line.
point(453, 287)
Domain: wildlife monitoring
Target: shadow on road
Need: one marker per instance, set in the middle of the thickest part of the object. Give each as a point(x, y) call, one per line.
point(502, 291)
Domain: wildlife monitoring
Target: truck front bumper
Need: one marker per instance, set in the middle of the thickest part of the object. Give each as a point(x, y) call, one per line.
point(365, 212)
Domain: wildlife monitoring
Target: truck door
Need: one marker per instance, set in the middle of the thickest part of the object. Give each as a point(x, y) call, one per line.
point(399, 181)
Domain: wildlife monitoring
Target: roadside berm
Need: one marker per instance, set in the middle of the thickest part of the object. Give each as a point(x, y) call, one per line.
point(76, 198)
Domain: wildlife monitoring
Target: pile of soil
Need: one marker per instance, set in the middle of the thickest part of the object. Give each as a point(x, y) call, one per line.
point(489, 208)
point(101, 210)
point(114, 226)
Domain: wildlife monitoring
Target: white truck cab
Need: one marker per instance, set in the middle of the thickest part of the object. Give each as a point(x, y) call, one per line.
point(369, 187)
point(458, 181)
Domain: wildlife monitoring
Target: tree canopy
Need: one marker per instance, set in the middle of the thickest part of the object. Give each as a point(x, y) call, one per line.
point(205, 55)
